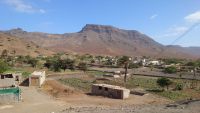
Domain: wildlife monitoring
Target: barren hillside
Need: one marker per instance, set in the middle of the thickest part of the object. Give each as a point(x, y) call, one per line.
point(19, 46)
point(104, 40)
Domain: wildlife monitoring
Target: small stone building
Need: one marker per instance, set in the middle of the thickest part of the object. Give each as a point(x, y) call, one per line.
point(9, 80)
point(110, 91)
point(9, 92)
point(10, 95)
point(37, 78)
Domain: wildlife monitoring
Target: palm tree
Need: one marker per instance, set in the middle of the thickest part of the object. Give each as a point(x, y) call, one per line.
point(124, 61)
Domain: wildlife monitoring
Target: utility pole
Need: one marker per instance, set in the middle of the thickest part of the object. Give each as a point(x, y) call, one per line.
point(126, 70)
point(194, 78)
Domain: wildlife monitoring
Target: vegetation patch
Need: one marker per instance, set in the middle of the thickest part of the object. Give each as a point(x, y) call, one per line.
point(95, 73)
point(173, 95)
point(80, 84)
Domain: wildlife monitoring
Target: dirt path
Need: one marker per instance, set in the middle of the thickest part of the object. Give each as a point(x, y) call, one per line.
point(33, 102)
point(191, 108)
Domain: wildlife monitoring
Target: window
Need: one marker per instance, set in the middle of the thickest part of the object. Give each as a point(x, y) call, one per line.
point(100, 88)
point(106, 89)
point(2, 76)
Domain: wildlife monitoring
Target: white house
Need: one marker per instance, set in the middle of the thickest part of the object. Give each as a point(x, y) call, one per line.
point(154, 62)
point(37, 78)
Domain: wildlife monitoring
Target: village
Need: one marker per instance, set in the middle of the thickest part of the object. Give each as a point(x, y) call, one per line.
point(66, 82)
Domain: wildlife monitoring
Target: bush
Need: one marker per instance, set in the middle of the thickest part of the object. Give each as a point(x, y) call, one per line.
point(83, 66)
point(25, 74)
point(179, 86)
point(3, 66)
point(170, 70)
point(164, 82)
point(133, 65)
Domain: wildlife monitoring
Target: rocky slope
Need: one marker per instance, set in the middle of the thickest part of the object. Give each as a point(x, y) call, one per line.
point(17, 46)
point(104, 40)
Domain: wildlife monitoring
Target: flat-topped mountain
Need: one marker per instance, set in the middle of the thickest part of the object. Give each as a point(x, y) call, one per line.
point(103, 40)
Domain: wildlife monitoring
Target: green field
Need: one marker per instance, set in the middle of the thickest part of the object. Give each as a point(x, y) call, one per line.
point(147, 83)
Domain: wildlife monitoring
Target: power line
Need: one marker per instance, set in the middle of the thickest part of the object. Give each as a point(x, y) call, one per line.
point(181, 36)
point(185, 33)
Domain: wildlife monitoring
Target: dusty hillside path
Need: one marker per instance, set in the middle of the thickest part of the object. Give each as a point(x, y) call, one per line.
point(34, 102)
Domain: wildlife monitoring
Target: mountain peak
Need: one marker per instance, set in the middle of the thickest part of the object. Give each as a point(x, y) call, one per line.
point(16, 31)
point(98, 28)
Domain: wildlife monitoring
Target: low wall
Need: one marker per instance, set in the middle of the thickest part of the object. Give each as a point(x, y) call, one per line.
point(10, 95)
point(7, 82)
point(110, 91)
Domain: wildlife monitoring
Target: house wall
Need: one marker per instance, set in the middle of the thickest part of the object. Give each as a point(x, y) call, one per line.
point(34, 81)
point(126, 94)
point(40, 78)
point(9, 98)
point(10, 95)
point(110, 92)
point(7, 82)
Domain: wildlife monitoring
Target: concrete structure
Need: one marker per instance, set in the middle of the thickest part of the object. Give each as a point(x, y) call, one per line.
point(10, 95)
point(9, 92)
point(154, 62)
point(9, 80)
point(110, 91)
point(37, 78)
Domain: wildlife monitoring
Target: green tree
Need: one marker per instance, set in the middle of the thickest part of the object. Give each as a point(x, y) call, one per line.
point(83, 66)
point(193, 64)
point(170, 70)
point(133, 65)
point(3, 66)
point(164, 82)
point(33, 62)
point(67, 64)
point(48, 64)
point(124, 61)
point(99, 58)
point(56, 66)
point(109, 62)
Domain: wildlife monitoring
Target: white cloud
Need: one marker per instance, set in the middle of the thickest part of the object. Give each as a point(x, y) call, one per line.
point(175, 31)
point(22, 6)
point(194, 17)
point(153, 16)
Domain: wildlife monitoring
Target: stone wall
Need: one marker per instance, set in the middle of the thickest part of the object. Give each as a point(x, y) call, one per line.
point(7, 82)
point(9, 98)
point(10, 95)
point(110, 91)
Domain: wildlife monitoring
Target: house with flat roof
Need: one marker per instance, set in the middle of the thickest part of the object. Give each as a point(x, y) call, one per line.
point(37, 78)
point(9, 90)
point(9, 80)
point(111, 91)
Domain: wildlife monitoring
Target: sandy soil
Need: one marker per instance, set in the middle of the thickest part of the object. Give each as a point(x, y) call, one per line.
point(33, 101)
point(54, 97)
point(191, 108)
point(76, 97)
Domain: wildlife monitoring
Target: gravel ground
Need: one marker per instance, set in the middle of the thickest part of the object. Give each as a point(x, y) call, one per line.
point(180, 108)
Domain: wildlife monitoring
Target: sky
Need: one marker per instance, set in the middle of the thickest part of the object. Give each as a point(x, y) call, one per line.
point(166, 21)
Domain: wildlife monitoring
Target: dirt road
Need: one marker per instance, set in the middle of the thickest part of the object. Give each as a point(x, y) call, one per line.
point(33, 102)
point(191, 108)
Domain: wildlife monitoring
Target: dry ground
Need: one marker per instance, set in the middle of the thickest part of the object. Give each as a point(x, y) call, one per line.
point(33, 101)
point(76, 97)
point(54, 97)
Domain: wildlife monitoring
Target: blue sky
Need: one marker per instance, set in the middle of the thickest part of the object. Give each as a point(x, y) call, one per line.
point(163, 20)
